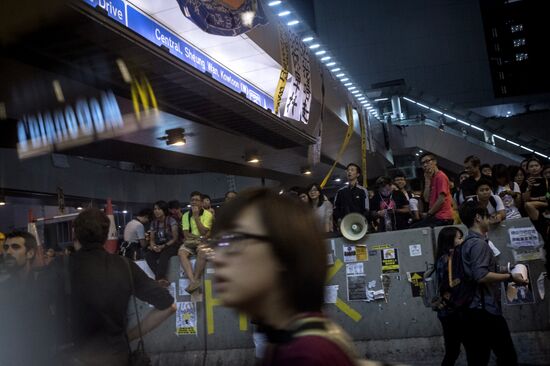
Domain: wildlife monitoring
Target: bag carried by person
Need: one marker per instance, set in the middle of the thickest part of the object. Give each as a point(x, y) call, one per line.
point(455, 290)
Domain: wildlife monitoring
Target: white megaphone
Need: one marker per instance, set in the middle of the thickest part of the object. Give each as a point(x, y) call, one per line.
point(353, 226)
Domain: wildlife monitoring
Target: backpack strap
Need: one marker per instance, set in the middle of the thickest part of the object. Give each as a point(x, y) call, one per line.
point(322, 327)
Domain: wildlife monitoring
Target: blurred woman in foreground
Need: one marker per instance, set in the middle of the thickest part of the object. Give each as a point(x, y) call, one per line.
point(270, 262)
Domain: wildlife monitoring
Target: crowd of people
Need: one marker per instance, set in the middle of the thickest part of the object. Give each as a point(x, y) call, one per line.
point(279, 281)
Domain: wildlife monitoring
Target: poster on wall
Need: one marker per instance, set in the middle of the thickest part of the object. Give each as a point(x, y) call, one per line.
point(186, 318)
point(390, 261)
point(416, 279)
point(362, 253)
point(350, 255)
point(357, 288)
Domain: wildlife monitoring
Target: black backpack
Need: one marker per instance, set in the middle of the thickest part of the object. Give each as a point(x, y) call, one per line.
point(454, 289)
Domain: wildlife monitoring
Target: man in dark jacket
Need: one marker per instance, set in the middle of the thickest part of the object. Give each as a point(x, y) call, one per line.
point(351, 198)
point(100, 286)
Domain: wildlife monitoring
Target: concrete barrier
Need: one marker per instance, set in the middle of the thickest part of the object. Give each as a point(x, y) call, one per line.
point(397, 327)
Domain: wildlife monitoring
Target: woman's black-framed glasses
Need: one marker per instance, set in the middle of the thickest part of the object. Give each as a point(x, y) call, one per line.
point(233, 242)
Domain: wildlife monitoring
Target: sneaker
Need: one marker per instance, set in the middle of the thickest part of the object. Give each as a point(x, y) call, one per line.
point(193, 286)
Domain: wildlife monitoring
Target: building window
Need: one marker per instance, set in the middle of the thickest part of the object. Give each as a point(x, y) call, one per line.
point(521, 56)
point(519, 42)
point(517, 28)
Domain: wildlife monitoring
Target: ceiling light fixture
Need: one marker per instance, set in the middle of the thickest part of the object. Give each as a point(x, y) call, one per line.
point(326, 58)
point(306, 171)
point(307, 39)
point(336, 69)
point(284, 13)
point(331, 63)
point(293, 22)
point(314, 46)
point(252, 157)
point(175, 137)
point(344, 79)
point(322, 52)
point(274, 3)
point(2, 200)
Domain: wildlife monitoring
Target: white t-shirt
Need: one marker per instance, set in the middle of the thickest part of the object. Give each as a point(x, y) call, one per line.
point(512, 211)
point(324, 214)
point(134, 231)
point(499, 205)
point(413, 204)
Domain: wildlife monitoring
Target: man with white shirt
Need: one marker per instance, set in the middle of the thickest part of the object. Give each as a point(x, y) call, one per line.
point(492, 202)
point(134, 235)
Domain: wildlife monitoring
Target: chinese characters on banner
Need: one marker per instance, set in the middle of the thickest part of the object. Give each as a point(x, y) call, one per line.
point(298, 103)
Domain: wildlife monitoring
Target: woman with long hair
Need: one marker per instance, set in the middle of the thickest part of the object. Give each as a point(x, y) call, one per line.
point(163, 242)
point(321, 205)
point(518, 175)
point(270, 262)
point(449, 238)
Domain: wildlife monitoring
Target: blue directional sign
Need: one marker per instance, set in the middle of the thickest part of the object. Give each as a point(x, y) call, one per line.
point(159, 35)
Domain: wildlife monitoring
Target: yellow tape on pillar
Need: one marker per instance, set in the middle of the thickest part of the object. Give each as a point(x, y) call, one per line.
point(363, 147)
point(283, 76)
point(349, 133)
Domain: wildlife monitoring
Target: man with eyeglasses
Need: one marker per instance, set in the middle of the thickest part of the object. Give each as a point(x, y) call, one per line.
point(437, 193)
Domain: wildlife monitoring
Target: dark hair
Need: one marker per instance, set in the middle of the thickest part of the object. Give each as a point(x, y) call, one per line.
point(382, 181)
point(483, 182)
point(163, 206)
point(468, 211)
point(146, 212)
point(91, 228)
point(399, 174)
point(356, 166)
point(472, 159)
point(70, 249)
point(446, 240)
point(514, 169)
point(547, 166)
point(205, 196)
point(423, 155)
point(321, 195)
point(30, 240)
point(228, 192)
point(533, 159)
point(195, 193)
point(174, 204)
point(500, 171)
point(483, 166)
point(299, 247)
